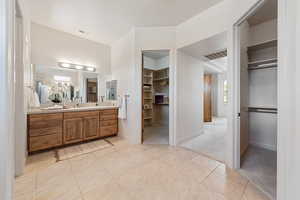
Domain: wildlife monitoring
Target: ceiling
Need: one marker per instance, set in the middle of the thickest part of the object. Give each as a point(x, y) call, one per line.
point(156, 54)
point(208, 46)
point(267, 12)
point(105, 21)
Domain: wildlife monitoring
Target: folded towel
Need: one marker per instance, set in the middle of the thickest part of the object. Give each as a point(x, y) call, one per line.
point(122, 108)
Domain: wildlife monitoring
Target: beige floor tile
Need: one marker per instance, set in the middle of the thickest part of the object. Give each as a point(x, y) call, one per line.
point(104, 152)
point(206, 162)
point(230, 189)
point(253, 193)
point(40, 161)
point(57, 174)
point(109, 191)
point(230, 174)
point(26, 196)
point(133, 172)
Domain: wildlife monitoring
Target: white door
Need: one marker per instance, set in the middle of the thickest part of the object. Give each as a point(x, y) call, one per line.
point(244, 89)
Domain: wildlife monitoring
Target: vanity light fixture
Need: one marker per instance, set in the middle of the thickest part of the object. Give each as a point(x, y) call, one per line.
point(79, 67)
point(91, 69)
point(65, 65)
point(76, 67)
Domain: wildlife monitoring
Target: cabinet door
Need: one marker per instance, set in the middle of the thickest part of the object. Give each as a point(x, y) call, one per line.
point(91, 126)
point(73, 130)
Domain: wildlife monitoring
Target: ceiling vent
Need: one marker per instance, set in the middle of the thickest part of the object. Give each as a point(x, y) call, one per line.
point(217, 55)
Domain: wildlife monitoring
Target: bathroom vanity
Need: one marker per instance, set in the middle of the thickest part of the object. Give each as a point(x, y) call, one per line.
point(47, 129)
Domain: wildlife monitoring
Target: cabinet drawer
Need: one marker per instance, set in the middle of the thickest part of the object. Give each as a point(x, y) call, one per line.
point(108, 117)
point(45, 131)
point(108, 131)
point(40, 121)
point(71, 115)
point(44, 142)
point(109, 123)
point(109, 112)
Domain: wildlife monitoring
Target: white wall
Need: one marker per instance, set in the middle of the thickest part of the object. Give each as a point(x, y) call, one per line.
point(189, 97)
point(214, 95)
point(7, 110)
point(222, 107)
point(288, 101)
point(208, 23)
point(123, 70)
point(263, 32)
point(156, 64)
point(24, 78)
point(50, 46)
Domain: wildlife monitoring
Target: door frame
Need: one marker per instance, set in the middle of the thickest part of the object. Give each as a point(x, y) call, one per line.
point(172, 93)
point(285, 112)
point(234, 73)
point(7, 156)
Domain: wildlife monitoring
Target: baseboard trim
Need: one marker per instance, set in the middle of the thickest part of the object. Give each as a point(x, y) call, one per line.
point(264, 146)
point(182, 140)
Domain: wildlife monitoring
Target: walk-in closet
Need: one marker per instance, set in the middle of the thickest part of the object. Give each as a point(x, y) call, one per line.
point(258, 98)
point(155, 97)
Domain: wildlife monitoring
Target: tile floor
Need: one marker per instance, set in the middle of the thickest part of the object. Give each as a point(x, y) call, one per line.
point(212, 141)
point(132, 172)
point(260, 166)
point(156, 134)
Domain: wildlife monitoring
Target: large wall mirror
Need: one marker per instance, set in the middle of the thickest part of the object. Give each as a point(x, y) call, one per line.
point(59, 85)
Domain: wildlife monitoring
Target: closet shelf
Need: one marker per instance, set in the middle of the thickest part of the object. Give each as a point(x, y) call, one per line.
point(161, 79)
point(263, 45)
point(260, 62)
point(146, 118)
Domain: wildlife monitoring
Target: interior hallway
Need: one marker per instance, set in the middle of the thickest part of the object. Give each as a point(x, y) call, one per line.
point(212, 141)
point(132, 172)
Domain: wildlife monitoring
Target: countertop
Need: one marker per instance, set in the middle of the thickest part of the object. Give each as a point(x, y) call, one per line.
point(78, 109)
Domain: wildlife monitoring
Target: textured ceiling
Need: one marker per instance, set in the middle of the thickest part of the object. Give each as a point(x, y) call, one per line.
point(106, 21)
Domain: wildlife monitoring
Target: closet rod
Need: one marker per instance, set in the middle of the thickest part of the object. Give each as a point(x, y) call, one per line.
point(262, 110)
point(263, 66)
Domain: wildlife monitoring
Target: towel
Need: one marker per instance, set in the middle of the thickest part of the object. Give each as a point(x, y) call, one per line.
point(122, 108)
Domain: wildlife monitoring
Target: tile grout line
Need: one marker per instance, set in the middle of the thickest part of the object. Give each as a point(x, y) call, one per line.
point(244, 191)
point(77, 184)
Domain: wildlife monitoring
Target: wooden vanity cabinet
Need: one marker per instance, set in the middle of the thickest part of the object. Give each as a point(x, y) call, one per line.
point(80, 126)
point(44, 131)
point(73, 130)
point(108, 123)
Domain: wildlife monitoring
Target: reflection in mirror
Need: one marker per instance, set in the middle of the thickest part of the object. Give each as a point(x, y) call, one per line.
point(111, 90)
point(56, 85)
point(92, 90)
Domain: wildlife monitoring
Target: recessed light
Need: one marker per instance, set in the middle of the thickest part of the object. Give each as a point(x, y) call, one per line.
point(66, 65)
point(79, 67)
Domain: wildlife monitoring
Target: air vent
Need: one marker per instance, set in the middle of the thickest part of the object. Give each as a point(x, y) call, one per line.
point(217, 55)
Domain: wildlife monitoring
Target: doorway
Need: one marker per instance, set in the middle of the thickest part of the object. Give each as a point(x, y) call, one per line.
point(257, 127)
point(91, 90)
point(155, 96)
point(210, 56)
